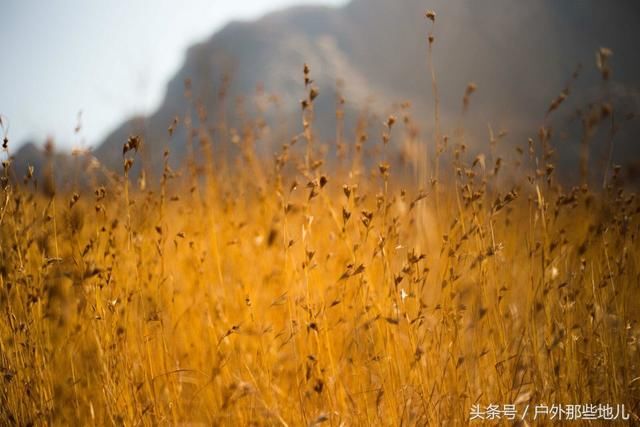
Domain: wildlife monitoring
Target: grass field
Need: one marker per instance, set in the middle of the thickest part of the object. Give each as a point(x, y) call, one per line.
point(300, 290)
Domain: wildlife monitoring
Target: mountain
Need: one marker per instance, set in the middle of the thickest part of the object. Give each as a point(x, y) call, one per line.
point(519, 54)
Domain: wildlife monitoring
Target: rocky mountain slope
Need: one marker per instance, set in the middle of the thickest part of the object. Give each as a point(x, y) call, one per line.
point(519, 54)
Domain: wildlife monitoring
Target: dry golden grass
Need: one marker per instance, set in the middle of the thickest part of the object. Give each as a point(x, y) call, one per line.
point(287, 292)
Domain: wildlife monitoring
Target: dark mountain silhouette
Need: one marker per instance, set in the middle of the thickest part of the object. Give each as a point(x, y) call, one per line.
point(520, 55)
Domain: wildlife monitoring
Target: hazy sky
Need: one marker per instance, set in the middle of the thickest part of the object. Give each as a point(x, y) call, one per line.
point(108, 59)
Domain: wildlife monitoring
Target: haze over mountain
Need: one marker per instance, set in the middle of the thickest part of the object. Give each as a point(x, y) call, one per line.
point(520, 55)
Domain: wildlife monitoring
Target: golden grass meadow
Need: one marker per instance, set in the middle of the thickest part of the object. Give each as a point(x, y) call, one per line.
point(319, 286)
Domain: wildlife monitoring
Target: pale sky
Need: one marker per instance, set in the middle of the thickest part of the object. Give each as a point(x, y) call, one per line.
point(108, 59)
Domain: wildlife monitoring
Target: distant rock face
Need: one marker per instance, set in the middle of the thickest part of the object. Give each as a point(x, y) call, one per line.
point(520, 55)
point(48, 170)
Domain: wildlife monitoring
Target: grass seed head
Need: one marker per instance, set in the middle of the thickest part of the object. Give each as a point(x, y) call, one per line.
point(430, 15)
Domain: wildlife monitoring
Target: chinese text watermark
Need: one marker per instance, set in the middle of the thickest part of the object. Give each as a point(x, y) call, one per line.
point(553, 412)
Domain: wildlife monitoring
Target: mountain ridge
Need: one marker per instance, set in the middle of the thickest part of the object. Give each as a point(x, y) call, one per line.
point(521, 57)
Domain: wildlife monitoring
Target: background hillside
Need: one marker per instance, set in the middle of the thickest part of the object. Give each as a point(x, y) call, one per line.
point(520, 56)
